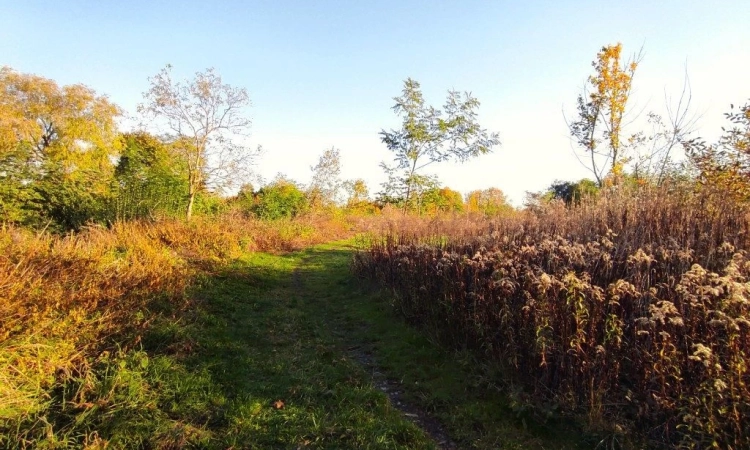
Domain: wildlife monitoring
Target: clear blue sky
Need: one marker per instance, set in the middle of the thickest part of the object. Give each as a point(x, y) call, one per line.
point(323, 73)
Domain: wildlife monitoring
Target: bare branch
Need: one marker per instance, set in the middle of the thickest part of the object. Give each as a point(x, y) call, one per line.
point(205, 116)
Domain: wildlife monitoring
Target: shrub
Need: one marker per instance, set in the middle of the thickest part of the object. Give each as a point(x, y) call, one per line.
point(73, 309)
point(280, 200)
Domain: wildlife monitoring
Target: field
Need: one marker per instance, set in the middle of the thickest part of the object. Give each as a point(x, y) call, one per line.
point(629, 312)
point(620, 323)
point(167, 335)
point(297, 227)
point(80, 311)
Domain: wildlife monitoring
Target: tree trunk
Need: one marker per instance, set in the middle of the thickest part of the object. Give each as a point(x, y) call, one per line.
point(191, 200)
point(410, 181)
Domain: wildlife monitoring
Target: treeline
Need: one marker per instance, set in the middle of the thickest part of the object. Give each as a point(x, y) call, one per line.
point(63, 162)
point(620, 300)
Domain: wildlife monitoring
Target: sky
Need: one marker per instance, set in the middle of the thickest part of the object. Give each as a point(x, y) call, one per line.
point(323, 73)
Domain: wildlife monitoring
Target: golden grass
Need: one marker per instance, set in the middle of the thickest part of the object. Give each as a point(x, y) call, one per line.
point(66, 302)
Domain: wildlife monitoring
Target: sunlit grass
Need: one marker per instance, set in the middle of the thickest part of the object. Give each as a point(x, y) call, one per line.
point(76, 310)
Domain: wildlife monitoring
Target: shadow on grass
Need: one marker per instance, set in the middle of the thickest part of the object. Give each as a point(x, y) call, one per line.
point(257, 367)
point(266, 360)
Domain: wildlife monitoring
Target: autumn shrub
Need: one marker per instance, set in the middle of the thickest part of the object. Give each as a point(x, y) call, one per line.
point(64, 301)
point(280, 200)
point(630, 310)
point(74, 308)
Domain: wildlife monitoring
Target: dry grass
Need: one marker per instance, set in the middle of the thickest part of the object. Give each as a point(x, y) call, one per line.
point(631, 311)
point(68, 303)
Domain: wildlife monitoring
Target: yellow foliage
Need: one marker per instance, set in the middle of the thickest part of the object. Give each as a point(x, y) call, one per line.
point(66, 301)
point(70, 126)
point(612, 81)
point(488, 201)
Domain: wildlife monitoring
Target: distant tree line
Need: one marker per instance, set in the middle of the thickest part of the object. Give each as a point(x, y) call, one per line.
point(64, 163)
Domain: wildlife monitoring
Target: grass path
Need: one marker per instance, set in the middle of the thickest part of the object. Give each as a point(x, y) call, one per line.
point(290, 351)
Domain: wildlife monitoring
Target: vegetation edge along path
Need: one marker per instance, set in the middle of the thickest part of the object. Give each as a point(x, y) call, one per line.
point(362, 353)
point(344, 336)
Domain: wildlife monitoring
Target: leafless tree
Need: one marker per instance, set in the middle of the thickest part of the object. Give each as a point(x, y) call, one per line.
point(656, 151)
point(325, 186)
point(207, 121)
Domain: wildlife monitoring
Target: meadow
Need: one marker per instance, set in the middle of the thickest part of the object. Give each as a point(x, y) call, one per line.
point(629, 311)
point(621, 322)
point(151, 296)
point(76, 308)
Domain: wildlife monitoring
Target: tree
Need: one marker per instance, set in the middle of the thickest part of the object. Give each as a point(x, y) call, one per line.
point(149, 177)
point(601, 110)
point(404, 190)
point(653, 151)
point(489, 201)
point(358, 197)
point(326, 184)
point(573, 192)
point(357, 191)
point(443, 200)
point(427, 136)
point(56, 149)
point(205, 119)
point(726, 164)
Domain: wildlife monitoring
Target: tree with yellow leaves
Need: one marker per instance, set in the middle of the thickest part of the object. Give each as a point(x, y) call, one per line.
point(601, 110)
point(56, 149)
point(489, 201)
point(441, 200)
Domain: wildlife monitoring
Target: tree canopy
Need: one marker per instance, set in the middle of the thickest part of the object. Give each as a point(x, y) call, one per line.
point(429, 135)
point(206, 119)
point(57, 145)
point(325, 187)
point(489, 201)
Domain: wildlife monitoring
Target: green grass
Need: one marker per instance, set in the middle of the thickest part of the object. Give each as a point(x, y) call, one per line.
point(260, 342)
point(271, 357)
point(453, 387)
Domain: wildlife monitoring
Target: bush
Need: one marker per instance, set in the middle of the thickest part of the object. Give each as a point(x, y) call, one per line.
point(280, 200)
point(73, 310)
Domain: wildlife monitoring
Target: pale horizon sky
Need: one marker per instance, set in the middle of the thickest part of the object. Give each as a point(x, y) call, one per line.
point(323, 74)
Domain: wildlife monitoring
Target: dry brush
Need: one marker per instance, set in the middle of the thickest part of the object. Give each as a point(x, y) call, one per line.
point(631, 311)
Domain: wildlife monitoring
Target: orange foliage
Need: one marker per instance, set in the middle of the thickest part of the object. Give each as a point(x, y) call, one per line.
point(66, 300)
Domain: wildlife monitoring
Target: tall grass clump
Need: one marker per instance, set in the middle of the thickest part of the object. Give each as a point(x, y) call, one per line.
point(630, 310)
point(74, 308)
point(64, 302)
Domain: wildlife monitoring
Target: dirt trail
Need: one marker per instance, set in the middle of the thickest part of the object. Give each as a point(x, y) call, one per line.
point(363, 355)
point(392, 388)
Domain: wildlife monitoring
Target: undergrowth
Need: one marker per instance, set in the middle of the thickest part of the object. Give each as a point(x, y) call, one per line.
point(629, 312)
point(74, 311)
